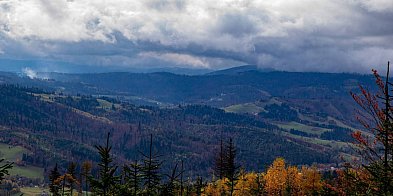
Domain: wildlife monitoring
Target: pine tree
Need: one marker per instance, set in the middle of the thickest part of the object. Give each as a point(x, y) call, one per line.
point(181, 178)
point(199, 186)
point(150, 171)
point(231, 169)
point(53, 176)
point(4, 169)
point(107, 181)
point(86, 169)
point(170, 187)
point(219, 162)
point(71, 170)
point(133, 178)
point(225, 164)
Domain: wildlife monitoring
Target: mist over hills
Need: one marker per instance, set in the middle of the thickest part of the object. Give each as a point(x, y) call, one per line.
point(43, 66)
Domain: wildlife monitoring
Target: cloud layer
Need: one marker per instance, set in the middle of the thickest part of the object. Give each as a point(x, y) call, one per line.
point(301, 35)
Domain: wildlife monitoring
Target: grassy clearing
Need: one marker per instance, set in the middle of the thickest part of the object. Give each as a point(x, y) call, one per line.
point(140, 100)
point(340, 124)
point(244, 108)
point(104, 104)
point(14, 153)
point(33, 191)
point(253, 107)
point(11, 153)
point(27, 171)
point(48, 97)
point(327, 143)
point(88, 115)
point(271, 101)
point(308, 118)
point(301, 127)
point(326, 122)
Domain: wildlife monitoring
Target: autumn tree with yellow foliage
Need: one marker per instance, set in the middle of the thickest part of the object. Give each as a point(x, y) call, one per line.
point(276, 177)
point(279, 179)
point(311, 181)
point(249, 184)
point(288, 180)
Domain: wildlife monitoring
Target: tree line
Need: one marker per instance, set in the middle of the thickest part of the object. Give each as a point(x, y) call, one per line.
point(371, 174)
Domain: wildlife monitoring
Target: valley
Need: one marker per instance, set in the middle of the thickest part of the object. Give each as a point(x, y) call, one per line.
point(62, 118)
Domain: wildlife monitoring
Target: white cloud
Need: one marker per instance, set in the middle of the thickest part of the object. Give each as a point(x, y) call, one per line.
point(280, 33)
point(170, 22)
point(178, 59)
point(377, 5)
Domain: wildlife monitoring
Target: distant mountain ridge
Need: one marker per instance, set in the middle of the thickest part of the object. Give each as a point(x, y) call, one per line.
point(240, 69)
point(222, 89)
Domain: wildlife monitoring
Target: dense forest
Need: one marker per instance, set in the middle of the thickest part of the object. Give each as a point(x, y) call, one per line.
point(307, 91)
point(109, 146)
point(55, 128)
point(370, 176)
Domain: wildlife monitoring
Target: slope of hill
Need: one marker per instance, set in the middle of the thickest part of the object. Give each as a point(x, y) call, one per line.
point(304, 117)
point(307, 92)
point(240, 69)
point(56, 128)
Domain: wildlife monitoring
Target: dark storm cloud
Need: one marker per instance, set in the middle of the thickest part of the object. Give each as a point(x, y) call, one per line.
point(303, 35)
point(236, 25)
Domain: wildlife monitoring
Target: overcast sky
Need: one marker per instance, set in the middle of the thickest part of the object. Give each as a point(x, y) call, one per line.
point(298, 35)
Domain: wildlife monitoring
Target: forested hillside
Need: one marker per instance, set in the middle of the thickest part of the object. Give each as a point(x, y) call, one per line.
point(241, 91)
point(58, 128)
point(266, 114)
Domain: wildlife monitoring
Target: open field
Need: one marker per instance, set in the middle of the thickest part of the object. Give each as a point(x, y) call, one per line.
point(27, 171)
point(14, 153)
point(104, 104)
point(34, 191)
point(301, 127)
point(11, 153)
point(244, 108)
point(327, 143)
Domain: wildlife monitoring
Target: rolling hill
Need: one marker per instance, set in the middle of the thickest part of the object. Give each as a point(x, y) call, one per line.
point(58, 128)
point(324, 93)
point(304, 117)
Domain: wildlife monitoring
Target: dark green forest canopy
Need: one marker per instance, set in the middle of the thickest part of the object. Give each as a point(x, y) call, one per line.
point(57, 128)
